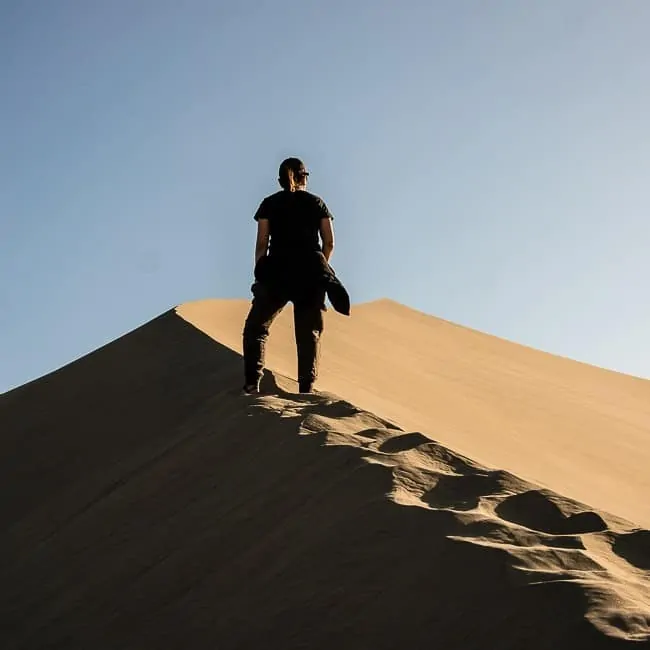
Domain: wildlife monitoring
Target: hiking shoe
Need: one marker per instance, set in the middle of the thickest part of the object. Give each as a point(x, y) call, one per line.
point(251, 389)
point(306, 388)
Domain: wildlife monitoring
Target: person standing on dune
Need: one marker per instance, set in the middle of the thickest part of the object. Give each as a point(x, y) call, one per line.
point(288, 268)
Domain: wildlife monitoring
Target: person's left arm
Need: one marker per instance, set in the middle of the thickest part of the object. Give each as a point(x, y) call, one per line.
point(263, 230)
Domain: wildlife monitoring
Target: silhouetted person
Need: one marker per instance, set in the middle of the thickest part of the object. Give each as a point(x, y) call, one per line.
point(291, 224)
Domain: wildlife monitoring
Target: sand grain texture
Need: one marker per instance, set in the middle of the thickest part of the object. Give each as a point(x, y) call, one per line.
point(148, 504)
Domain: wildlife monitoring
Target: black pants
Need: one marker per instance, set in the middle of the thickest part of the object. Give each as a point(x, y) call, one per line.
point(308, 307)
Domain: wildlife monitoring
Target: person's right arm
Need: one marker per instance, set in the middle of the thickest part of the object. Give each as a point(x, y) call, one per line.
point(326, 229)
point(327, 237)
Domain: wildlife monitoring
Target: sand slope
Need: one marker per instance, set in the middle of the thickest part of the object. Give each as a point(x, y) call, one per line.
point(579, 430)
point(147, 504)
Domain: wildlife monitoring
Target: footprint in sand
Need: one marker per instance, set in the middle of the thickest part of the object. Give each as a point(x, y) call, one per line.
point(405, 442)
point(634, 548)
point(536, 511)
point(463, 492)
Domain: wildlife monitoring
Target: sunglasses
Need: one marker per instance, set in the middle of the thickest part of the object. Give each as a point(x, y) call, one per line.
point(301, 173)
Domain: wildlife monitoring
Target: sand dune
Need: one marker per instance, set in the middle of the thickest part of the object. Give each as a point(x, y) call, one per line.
point(148, 504)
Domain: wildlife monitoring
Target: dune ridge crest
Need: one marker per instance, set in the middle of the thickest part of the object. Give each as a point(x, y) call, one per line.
point(546, 537)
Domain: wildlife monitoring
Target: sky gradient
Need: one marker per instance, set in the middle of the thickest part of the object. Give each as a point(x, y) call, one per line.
point(486, 162)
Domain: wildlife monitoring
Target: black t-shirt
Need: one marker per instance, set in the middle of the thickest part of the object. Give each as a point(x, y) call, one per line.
point(294, 222)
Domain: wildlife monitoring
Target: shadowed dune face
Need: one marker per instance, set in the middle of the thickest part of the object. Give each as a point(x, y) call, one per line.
point(149, 504)
point(126, 396)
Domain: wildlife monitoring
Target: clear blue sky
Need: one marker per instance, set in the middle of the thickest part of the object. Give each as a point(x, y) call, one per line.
point(486, 162)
